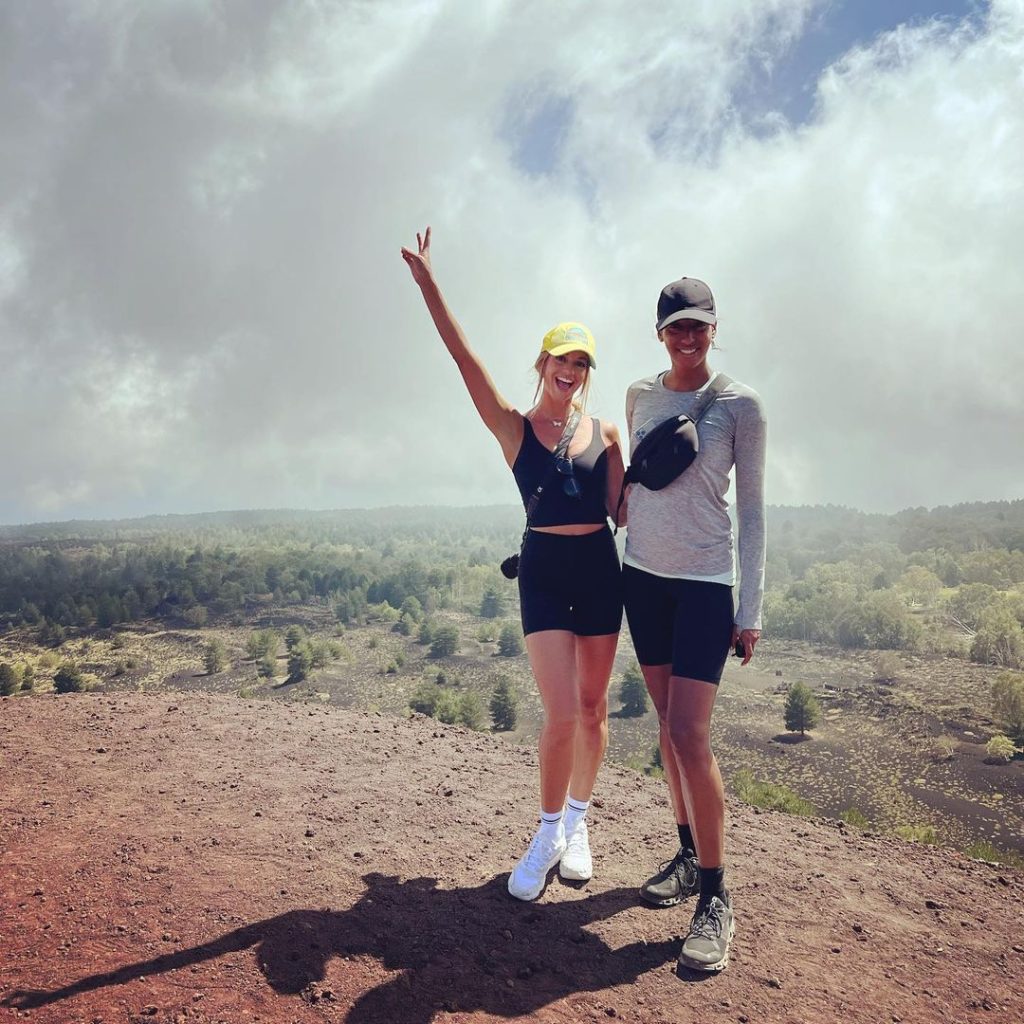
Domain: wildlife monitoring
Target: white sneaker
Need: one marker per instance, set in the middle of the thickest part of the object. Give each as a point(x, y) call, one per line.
point(529, 875)
point(576, 864)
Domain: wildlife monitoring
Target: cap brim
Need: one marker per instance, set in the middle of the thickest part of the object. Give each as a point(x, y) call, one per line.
point(688, 314)
point(564, 350)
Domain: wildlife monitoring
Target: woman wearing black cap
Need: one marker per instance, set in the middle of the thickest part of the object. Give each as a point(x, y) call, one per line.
point(678, 577)
point(570, 585)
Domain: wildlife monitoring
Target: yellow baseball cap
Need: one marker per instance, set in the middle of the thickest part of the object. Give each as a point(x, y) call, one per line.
point(569, 337)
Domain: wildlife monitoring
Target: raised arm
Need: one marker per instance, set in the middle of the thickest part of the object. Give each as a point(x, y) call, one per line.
point(499, 417)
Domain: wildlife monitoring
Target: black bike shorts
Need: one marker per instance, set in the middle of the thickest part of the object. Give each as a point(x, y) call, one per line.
point(570, 583)
point(685, 623)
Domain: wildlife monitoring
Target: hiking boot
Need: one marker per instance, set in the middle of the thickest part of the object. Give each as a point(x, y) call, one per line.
point(576, 864)
point(677, 879)
point(528, 876)
point(706, 948)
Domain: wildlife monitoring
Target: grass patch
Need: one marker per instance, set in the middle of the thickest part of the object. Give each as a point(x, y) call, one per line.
point(768, 795)
point(918, 834)
point(856, 818)
point(984, 850)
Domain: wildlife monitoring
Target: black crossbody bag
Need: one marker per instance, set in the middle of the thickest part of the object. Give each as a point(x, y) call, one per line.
point(510, 566)
point(669, 448)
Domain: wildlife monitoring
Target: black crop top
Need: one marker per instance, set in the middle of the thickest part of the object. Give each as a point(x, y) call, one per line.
point(555, 507)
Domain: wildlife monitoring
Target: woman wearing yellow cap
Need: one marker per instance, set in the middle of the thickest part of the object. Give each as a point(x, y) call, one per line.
point(569, 469)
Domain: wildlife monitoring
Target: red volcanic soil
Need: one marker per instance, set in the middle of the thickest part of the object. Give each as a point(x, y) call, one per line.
point(191, 858)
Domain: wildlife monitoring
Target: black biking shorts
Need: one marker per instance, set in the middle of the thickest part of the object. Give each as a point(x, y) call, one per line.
point(570, 583)
point(685, 623)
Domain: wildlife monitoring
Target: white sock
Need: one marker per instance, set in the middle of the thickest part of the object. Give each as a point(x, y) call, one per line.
point(575, 812)
point(550, 824)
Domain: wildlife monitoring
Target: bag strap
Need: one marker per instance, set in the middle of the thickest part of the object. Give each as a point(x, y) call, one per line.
point(559, 453)
point(715, 387)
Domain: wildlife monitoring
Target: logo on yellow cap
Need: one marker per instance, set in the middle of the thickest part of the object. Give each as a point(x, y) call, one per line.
point(569, 337)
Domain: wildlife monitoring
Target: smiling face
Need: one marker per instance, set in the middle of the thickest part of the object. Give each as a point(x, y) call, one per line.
point(688, 343)
point(562, 377)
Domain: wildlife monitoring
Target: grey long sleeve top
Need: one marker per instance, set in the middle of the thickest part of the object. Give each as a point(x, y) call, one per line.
point(684, 529)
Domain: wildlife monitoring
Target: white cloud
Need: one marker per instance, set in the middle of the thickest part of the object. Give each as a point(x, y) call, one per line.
point(201, 299)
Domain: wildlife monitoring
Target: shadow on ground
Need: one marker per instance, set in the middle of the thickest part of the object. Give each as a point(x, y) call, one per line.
point(459, 950)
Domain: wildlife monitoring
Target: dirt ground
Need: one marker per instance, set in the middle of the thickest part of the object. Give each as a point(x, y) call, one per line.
point(199, 858)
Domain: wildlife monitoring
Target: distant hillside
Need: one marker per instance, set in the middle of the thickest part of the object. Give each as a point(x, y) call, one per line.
point(955, 528)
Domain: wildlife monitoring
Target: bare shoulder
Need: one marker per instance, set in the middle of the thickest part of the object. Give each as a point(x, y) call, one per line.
point(609, 433)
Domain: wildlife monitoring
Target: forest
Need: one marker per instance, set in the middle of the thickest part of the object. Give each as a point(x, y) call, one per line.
point(944, 581)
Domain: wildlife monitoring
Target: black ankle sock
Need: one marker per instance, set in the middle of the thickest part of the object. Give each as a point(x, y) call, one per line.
point(686, 838)
point(712, 883)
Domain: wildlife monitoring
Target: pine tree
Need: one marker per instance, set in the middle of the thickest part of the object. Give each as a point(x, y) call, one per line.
point(300, 661)
point(492, 606)
point(803, 711)
point(633, 692)
point(504, 705)
point(215, 657)
point(445, 642)
point(8, 680)
point(68, 679)
point(510, 640)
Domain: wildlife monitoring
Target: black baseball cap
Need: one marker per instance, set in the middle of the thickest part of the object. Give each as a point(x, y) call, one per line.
point(686, 299)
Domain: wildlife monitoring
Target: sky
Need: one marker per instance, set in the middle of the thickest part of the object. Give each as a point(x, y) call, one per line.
point(203, 306)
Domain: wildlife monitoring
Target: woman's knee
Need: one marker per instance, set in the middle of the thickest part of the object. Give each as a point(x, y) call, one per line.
point(560, 721)
point(593, 711)
point(691, 742)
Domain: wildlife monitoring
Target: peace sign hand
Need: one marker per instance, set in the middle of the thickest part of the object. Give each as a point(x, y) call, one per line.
point(419, 261)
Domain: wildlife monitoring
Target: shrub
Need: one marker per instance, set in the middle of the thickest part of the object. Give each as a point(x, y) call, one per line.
point(767, 794)
point(504, 705)
point(68, 678)
point(195, 616)
point(426, 632)
point(1001, 748)
point(1008, 703)
point(293, 636)
point(424, 698)
point(28, 678)
point(266, 667)
point(445, 642)
point(942, 748)
point(802, 710)
point(633, 692)
point(999, 639)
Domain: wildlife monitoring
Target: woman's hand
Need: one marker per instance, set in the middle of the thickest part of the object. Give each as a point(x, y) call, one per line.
point(747, 637)
point(419, 261)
